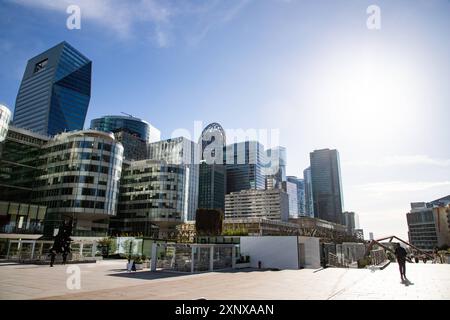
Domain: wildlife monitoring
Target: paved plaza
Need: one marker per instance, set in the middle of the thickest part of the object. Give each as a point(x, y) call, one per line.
point(108, 280)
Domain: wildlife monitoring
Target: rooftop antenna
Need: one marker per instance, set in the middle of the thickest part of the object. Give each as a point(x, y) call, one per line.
point(127, 114)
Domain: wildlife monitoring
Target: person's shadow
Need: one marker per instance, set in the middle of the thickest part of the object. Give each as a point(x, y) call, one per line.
point(407, 283)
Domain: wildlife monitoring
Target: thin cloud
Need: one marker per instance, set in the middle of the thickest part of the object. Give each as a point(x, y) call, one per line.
point(399, 160)
point(127, 19)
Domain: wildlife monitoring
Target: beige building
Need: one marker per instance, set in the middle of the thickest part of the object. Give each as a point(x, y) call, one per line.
point(270, 204)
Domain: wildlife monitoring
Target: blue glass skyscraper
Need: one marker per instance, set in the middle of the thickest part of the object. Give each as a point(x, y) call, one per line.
point(55, 91)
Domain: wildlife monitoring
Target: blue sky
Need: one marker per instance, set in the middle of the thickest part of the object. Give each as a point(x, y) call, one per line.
point(310, 69)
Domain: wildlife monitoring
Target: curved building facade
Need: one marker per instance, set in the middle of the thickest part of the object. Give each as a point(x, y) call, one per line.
point(80, 181)
point(5, 116)
point(135, 126)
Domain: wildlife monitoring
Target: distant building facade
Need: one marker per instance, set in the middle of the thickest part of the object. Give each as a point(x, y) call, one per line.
point(152, 193)
point(300, 183)
point(291, 189)
point(429, 224)
point(327, 185)
point(309, 201)
point(350, 221)
point(270, 204)
point(245, 162)
point(181, 151)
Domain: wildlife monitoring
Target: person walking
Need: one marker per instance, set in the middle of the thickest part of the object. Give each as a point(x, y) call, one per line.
point(400, 254)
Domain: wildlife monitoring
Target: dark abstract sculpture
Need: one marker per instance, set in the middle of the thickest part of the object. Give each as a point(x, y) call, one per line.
point(61, 245)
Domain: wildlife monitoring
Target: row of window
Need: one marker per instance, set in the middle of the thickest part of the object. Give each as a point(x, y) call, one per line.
point(69, 191)
point(79, 156)
point(148, 205)
point(77, 167)
point(80, 145)
point(69, 179)
point(87, 204)
point(151, 187)
point(146, 196)
point(149, 179)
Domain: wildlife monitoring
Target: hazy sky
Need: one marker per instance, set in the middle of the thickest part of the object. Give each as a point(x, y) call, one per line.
point(310, 69)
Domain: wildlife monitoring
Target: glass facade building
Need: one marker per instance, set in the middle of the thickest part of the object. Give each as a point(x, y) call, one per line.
point(291, 189)
point(309, 202)
point(153, 193)
point(5, 116)
point(19, 164)
point(327, 185)
point(181, 151)
point(79, 181)
point(276, 168)
point(134, 126)
point(19, 161)
point(55, 91)
point(245, 163)
point(300, 184)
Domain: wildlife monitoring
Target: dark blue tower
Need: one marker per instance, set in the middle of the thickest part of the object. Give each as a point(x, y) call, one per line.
point(55, 91)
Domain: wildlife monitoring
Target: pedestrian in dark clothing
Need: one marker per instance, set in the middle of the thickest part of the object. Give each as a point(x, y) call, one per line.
point(52, 255)
point(400, 254)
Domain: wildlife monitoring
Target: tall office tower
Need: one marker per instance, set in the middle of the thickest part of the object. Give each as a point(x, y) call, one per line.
point(309, 202)
point(275, 171)
point(180, 151)
point(79, 181)
point(326, 185)
point(245, 163)
point(300, 183)
point(133, 133)
point(55, 91)
point(350, 222)
point(212, 172)
point(152, 194)
point(5, 116)
point(291, 189)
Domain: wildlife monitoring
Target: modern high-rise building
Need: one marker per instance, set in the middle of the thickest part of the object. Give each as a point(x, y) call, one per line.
point(133, 133)
point(272, 204)
point(327, 185)
point(291, 189)
point(79, 181)
point(429, 224)
point(245, 163)
point(212, 171)
point(153, 193)
point(309, 202)
point(5, 116)
point(55, 91)
point(180, 151)
point(300, 183)
point(275, 172)
point(350, 221)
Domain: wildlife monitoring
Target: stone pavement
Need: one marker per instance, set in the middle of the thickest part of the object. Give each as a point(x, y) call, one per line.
point(108, 280)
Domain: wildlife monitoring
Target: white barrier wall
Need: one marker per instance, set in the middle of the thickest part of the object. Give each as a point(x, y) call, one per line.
point(281, 252)
point(273, 252)
point(312, 252)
